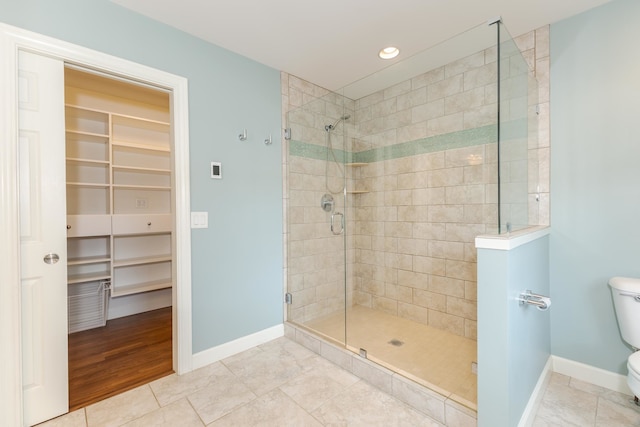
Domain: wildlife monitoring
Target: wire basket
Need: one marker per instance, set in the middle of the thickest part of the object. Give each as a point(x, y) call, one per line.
point(88, 305)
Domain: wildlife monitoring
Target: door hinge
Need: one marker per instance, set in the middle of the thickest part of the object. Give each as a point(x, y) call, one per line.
point(287, 134)
point(288, 298)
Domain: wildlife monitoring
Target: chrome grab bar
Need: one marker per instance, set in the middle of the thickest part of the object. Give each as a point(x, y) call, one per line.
point(540, 301)
point(333, 215)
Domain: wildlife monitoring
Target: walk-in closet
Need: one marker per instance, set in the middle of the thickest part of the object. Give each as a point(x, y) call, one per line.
point(120, 233)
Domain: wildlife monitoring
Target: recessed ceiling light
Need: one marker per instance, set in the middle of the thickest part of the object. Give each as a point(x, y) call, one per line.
point(389, 52)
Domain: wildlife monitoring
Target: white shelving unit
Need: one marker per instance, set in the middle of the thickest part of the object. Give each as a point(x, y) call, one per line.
point(119, 193)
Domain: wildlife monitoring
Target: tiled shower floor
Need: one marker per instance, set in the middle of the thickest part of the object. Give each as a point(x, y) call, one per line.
point(432, 357)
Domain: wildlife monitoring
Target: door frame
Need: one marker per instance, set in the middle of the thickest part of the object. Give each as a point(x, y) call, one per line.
point(13, 39)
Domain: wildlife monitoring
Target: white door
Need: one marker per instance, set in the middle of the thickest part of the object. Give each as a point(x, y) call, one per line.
point(43, 237)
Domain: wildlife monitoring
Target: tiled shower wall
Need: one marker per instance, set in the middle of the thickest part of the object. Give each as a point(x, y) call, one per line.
point(432, 186)
point(429, 176)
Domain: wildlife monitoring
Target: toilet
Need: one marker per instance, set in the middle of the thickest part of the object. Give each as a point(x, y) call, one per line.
point(626, 299)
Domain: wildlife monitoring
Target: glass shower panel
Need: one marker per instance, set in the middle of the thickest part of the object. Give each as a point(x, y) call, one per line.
point(388, 184)
point(423, 186)
point(517, 137)
point(316, 213)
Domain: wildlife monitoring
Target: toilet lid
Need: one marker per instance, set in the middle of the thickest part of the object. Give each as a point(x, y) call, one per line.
point(634, 362)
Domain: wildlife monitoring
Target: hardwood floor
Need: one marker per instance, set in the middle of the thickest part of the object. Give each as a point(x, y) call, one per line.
point(128, 352)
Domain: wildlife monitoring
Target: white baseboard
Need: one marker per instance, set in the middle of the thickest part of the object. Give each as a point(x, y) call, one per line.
point(214, 354)
point(591, 374)
point(530, 410)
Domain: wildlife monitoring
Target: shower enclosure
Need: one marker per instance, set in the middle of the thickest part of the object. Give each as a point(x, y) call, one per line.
point(388, 182)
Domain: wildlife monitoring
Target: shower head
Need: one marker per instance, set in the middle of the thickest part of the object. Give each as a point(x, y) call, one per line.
point(332, 126)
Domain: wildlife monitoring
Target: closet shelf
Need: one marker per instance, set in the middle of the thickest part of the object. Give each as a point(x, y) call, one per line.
point(134, 119)
point(141, 261)
point(357, 191)
point(87, 184)
point(88, 161)
point(135, 288)
point(140, 187)
point(89, 260)
point(82, 109)
point(98, 137)
point(140, 169)
point(140, 146)
point(356, 164)
point(90, 277)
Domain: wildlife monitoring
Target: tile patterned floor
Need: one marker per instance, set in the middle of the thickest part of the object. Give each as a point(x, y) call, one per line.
point(281, 383)
point(570, 402)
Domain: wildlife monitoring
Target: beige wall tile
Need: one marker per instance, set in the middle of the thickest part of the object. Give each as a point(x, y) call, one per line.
point(464, 64)
point(448, 322)
point(461, 270)
point(446, 87)
point(429, 265)
point(429, 196)
point(446, 213)
point(385, 305)
point(445, 124)
point(398, 89)
point(428, 111)
point(464, 101)
point(428, 78)
point(448, 250)
point(429, 161)
point(413, 312)
point(461, 307)
point(430, 300)
point(412, 98)
point(447, 286)
point(481, 76)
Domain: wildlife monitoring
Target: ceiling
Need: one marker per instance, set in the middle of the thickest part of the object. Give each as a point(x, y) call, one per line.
point(333, 43)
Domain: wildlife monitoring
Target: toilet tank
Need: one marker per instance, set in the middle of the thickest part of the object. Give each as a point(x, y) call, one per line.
point(626, 299)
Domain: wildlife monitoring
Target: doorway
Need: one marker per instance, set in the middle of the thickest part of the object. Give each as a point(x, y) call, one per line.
point(13, 41)
point(120, 229)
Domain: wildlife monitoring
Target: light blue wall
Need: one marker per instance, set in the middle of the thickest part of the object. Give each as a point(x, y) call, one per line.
point(513, 340)
point(595, 178)
point(237, 261)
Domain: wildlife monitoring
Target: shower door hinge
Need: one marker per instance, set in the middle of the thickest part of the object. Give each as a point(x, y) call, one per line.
point(288, 298)
point(287, 134)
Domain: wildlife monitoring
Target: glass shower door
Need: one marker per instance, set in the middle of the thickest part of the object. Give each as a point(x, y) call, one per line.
point(316, 215)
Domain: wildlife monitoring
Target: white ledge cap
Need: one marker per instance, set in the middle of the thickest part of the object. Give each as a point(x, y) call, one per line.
point(508, 241)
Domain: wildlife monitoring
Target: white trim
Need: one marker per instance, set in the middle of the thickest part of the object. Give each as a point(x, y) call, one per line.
point(591, 374)
point(530, 410)
point(506, 242)
point(11, 40)
point(230, 348)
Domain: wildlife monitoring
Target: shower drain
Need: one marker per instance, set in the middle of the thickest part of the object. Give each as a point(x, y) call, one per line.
point(395, 342)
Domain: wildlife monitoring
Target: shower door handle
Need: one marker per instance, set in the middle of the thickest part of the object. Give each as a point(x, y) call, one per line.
point(333, 218)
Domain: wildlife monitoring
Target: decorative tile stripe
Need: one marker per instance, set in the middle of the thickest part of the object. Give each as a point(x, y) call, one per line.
point(317, 152)
point(515, 130)
point(449, 141)
point(460, 139)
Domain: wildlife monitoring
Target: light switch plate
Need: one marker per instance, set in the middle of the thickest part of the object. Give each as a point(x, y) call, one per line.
point(199, 219)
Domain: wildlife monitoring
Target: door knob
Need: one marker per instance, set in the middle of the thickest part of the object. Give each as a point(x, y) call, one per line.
point(51, 258)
